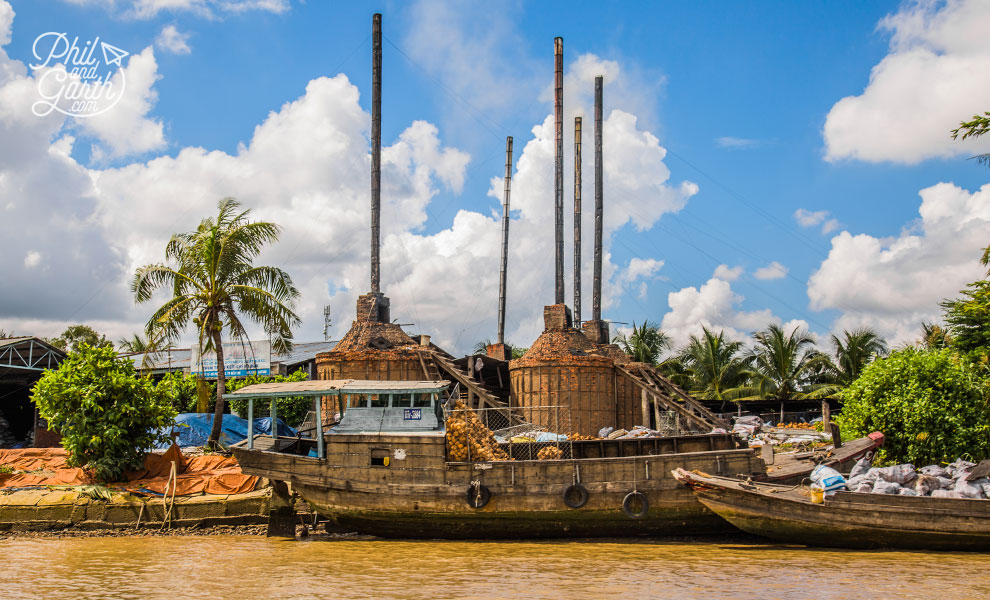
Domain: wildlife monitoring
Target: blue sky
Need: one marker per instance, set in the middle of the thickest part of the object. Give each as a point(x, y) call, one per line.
point(735, 95)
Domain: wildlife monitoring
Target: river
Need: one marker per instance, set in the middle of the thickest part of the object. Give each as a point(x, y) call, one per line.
point(254, 568)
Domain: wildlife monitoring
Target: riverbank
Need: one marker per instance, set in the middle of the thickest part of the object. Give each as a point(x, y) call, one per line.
point(73, 509)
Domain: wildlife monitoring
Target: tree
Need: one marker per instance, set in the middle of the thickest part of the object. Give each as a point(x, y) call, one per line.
point(974, 128)
point(291, 410)
point(645, 344)
point(75, 335)
point(135, 344)
point(854, 351)
point(784, 365)
point(930, 405)
point(213, 282)
point(934, 337)
point(180, 390)
point(714, 367)
point(107, 415)
point(968, 319)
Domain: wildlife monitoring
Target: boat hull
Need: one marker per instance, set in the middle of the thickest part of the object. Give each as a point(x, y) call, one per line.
point(424, 496)
point(850, 520)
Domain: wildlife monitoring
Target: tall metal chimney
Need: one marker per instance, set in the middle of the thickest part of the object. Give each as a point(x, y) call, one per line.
point(596, 300)
point(577, 221)
point(558, 182)
point(505, 241)
point(376, 148)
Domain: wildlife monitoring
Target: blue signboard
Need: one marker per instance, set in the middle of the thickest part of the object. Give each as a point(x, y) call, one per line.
point(412, 414)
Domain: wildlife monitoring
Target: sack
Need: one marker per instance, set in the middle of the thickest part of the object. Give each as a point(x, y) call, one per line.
point(828, 478)
point(967, 489)
point(886, 487)
point(899, 474)
point(860, 468)
point(907, 492)
point(862, 488)
point(959, 467)
point(926, 484)
point(946, 494)
point(934, 471)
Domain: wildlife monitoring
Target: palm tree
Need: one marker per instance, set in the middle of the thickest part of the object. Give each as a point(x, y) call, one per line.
point(213, 282)
point(784, 365)
point(714, 366)
point(935, 337)
point(135, 344)
point(853, 352)
point(645, 344)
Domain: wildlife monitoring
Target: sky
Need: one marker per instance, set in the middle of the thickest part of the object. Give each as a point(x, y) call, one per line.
point(764, 162)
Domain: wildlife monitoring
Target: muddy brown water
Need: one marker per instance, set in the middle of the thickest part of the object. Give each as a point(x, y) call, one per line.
point(248, 568)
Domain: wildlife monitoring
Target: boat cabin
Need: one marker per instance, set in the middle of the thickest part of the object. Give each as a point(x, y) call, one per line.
point(350, 406)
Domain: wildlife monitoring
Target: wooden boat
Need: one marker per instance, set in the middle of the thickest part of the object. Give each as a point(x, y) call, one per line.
point(385, 470)
point(845, 520)
point(793, 467)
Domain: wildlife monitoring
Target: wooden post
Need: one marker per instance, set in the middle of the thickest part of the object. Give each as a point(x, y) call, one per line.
point(781, 415)
point(826, 414)
point(558, 180)
point(376, 147)
point(250, 424)
point(577, 222)
point(274, 416)
point(596, 294)
point(645, 407)
point(505, 241)
point(319, 428)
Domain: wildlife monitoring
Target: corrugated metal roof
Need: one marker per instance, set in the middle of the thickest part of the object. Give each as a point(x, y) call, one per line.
point(333, 387)
point(181, 358)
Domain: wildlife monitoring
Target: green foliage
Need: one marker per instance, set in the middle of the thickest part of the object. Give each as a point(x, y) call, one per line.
point(786, 366)
point(213, 281)
point(645, 344)
point(518, 352)
point(853, 351)
point(180, 390)
point(713, 368)
point(107, 415)
point(76, 335)
point(968, 319)
point(976, 127)
point(934, 337)
point(291, 410)
point(930, 405)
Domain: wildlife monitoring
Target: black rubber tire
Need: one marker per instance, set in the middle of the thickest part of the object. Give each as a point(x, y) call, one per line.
point(627, 503)
point(478, 497)
point(576, 502)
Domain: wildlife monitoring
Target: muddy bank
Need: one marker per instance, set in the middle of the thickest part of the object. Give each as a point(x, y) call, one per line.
point(73, 532)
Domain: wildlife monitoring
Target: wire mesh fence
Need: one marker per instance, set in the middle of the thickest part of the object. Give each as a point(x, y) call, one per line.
point(518, 433)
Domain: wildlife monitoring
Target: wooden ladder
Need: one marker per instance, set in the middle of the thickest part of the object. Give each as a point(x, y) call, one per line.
point(671, 397)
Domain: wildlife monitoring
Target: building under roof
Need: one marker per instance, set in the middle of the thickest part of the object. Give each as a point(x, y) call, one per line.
point(22, 361)
point(302, 356)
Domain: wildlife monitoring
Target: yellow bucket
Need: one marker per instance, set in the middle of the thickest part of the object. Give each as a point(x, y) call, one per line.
point(817, 495)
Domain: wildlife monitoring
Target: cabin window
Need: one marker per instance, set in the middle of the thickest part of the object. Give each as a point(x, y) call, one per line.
point(402, 400)
point(379, 457)
point(423, 400)
point(378, 400)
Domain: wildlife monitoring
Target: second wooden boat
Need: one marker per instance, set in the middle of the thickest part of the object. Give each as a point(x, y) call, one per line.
point(846, 520)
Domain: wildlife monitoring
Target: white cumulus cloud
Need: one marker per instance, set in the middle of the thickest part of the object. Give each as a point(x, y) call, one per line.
point(774, 270)
point(893, 284)
point(727, 273)
point(172, 40)
point(932, 78)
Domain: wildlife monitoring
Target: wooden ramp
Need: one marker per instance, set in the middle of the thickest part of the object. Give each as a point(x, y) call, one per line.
point(664, 393)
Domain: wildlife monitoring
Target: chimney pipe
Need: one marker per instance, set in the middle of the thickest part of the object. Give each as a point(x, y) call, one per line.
point(505, 241)
point(558, 182)
point(596, 300)
point(577, 222)
point(376, 148)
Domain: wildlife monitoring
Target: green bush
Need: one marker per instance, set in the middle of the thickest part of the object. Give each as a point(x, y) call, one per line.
point(107, 415)
point(291, 410)
point(930, 405)
point(180, 389)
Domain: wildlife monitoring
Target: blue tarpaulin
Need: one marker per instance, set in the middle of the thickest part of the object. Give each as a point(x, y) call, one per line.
point(194, 429)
